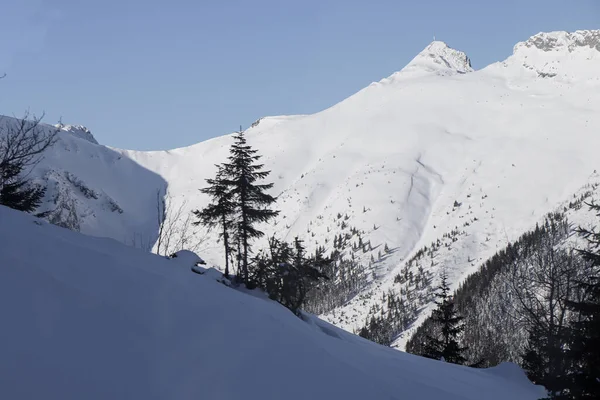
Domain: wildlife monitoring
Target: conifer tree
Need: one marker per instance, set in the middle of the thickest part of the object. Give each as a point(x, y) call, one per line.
point(16, 191)
point(585, 346)
point(22, 145)
point(535, 356)
point(220, 212)
point(584, 349)
point(446, 344)
point(545, 362)
point(287, 273)
point(250, 197)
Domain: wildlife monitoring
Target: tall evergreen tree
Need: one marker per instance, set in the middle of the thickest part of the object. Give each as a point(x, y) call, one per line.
point(540, 359)
point(252, 202)
point(584, 352)
point(585, 346)
point(446, 344)
point(220, 212)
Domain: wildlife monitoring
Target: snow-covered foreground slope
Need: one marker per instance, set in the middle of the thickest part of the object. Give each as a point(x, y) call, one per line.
point(86, 317)
point(436, 151)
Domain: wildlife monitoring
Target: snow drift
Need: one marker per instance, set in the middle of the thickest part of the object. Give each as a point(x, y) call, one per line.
point(90, 318)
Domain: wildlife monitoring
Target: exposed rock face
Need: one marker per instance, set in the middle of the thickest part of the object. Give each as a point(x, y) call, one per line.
point(79, 131)
point(564, 56)
point(439, 58)
point(557, 41)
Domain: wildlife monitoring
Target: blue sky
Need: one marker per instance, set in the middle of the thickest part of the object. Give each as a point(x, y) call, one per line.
point(152, 75)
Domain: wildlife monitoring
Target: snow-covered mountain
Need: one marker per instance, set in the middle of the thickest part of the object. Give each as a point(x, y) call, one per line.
point(435, 155)
point(87, 317)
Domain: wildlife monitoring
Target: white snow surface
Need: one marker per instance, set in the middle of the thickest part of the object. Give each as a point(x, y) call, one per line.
point(89, 318)
point(508, 142)
point(186, 258)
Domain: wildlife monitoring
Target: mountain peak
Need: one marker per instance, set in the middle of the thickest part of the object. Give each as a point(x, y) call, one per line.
point(568, 56)
point(562, 41)
point(441, 59)
point(79, 131)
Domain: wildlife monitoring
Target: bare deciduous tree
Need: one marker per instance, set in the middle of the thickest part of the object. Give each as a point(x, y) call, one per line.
point(543, 287)
point(175, 227)
point(23, 142)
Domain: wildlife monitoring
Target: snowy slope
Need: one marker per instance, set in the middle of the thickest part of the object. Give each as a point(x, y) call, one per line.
point(90, 318)
point(94, 189)
point(436, 151)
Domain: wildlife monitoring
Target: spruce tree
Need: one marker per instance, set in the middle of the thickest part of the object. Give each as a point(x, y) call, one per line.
point(535, 356)
point(446, 344)
point(287, 273)
point(220, 212)
point(22, 144)
point(16, 191)
point(545, 361)
point(585, 346)
point(584, 349)
point(250, 197)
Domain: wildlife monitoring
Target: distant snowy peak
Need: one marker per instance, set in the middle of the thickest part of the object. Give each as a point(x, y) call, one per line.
point(79, 131)
point(441, 59)
point(562, 41)
point(565, 56)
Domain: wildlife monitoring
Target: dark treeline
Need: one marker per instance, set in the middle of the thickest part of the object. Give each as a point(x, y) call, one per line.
point(486, 301)
point(534, 303)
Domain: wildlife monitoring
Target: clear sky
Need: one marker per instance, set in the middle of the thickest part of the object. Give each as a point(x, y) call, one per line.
point(151, 75)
